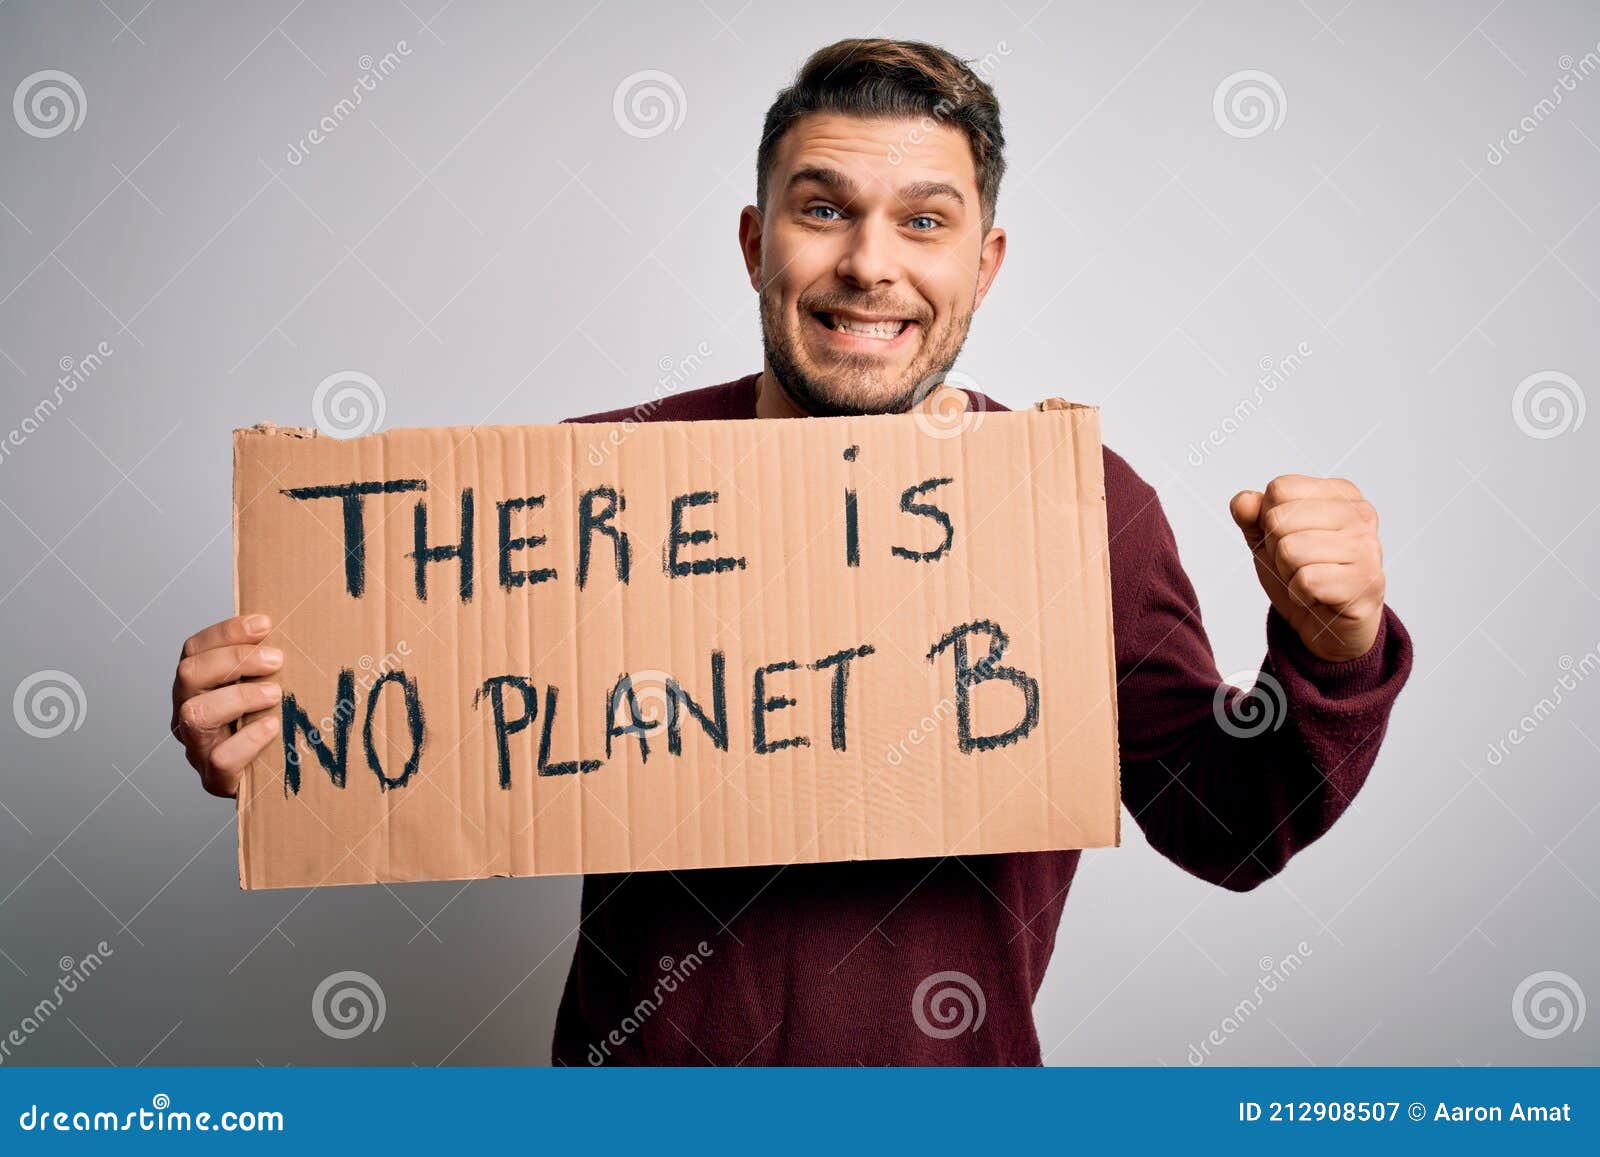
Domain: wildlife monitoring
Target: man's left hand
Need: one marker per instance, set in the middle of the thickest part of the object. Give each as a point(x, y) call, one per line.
point(1317, 554)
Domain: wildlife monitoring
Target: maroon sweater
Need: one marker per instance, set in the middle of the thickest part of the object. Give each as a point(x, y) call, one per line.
point(819, 963)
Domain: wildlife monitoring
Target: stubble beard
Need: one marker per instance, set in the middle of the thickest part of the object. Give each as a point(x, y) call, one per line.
point(851, 390)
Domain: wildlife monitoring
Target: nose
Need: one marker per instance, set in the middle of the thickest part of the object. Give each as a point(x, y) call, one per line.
point(870, 260)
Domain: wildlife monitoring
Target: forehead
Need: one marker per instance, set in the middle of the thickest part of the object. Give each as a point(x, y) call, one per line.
point(879, 154)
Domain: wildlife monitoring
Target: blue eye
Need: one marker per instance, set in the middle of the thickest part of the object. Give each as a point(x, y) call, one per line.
point(822, 209)
point(931, 224)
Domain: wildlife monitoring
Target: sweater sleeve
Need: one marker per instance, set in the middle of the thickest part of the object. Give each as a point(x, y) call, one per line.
point(1229, 783)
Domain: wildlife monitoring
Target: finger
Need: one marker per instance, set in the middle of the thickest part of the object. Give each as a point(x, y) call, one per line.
point(224, 785)
point(1309, 547)
point(230, 757)
point(1246, 510)
point(208, 669)
point(1292, 487)
point(239, 629)
point(1331, 584)
point(212, 710)
point(1278, 522)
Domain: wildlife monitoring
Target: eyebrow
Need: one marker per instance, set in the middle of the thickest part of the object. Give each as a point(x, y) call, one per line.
point(842, 185)
point(927, 190)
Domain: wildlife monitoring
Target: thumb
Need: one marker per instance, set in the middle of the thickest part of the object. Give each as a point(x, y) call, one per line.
point(1246, 510)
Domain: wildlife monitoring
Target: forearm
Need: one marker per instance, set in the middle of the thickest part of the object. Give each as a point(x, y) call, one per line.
point(1242, 788)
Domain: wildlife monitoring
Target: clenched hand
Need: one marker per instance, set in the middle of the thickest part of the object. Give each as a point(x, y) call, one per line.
point(1315, 542)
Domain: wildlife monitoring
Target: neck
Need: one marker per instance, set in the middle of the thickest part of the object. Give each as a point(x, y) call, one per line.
point(772, 401)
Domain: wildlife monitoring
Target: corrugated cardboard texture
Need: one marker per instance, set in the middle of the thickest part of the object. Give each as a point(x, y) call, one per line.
point(911, 760)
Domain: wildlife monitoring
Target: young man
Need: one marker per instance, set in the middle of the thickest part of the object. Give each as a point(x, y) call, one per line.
point(871, 245)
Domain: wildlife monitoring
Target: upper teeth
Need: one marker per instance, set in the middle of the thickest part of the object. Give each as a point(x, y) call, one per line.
point(881, 329)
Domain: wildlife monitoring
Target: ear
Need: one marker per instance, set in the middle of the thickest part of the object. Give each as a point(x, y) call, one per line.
point(990, 259)
point(750, 244)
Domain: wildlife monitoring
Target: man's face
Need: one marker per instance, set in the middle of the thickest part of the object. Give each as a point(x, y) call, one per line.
point(870, 260)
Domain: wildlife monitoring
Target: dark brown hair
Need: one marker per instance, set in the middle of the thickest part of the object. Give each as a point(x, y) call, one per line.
point(893, 78)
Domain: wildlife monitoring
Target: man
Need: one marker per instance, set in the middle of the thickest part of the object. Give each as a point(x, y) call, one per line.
point(871, 244)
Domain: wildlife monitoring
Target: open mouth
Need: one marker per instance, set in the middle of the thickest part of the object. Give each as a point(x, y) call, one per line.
point(876, 329)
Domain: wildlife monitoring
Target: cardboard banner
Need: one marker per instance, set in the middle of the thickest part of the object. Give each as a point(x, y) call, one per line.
point(539, 650)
